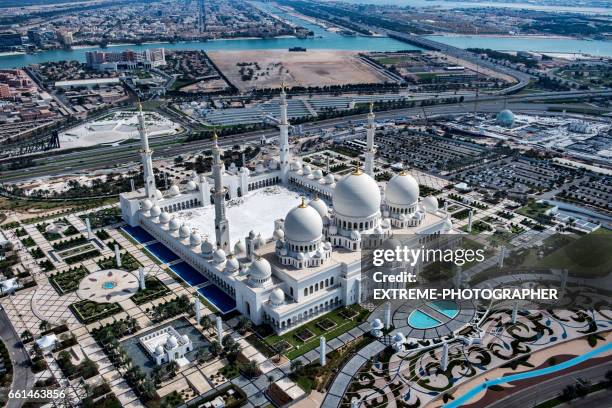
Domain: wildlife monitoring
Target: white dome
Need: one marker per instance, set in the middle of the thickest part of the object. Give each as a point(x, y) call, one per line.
point(277, 297)
point(303, 224)
point(191, 185)
point(185, 338)
point(232, 263)
point(260, 269)
point(306, 170)
point(159, 350)
point(317, 174)
point(158, 195)
point(146, 204)
point(206, 247)
point(219, 256)
point(155, 211)
point(355, 235)
point(279, 234)
point(399, 338)
point(448, 224)
point(195, 239)
point(430, 203)
point(239, 248)
point(376, 324)
point(329, 179)
point(356, 196)
point(259, 168)
point(184, 231)
point(174, 224)
point(295, 166)
point(171, 343)
point(174, 190)
point(402, 191)
point(320, 206)
point(164, 217)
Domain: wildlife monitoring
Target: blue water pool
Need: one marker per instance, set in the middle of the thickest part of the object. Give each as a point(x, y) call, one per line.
point(448, 308)
point(218, 298)
point(420, 320)
point(188, 273)
point(109, 285)
point(162, 252)
point(528, 374)
point(138, 234)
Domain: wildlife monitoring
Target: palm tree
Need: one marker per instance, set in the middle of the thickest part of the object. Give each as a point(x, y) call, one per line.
point(297, 366)
point(44, 325)
point(173, 367)
point(250, 369)
point(26, 335)
point(214, 348)
point(205, 323)
point(270, 380)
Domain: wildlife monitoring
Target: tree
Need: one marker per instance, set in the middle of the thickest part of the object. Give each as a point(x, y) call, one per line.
point(270, 379)
point(297, 366)
point(26, 335)
point(243, 325)
point(227, 341)
point(250, 369)
point(206, 323)
point(214, 348)
point(173, 367)
point(44, 325)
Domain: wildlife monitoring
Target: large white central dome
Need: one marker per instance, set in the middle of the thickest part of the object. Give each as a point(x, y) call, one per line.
point(402, 190)
point(356, 196)
point(303, 224)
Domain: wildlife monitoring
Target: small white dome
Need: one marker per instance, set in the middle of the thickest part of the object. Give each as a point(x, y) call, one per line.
point(171, 343)
point(378, 230)
point(259, 168)
point(206, 247)
point(146, 204)
point(184, 231)
point(430, 203)
point(232, 263)
point(260, 269)
point(277, 297)
point(376, 324)
point(239, 248)
point(320, 253)
point(303, 224)
point(164, 217)
point(195, 239)
point(279, 234)
point(174, 190)
point(219, 256)
point(185, 338)
point(320, 206)
point(191, 185)
point(402, 190)
point(295, 166)
point(356, 196)
point(355, 235)
point(158, 195)
point(306, 170)
point(329, 179)
point(317, 174)
point(155, 211)
point(399, 338)
point(159, 350)
point(448, 224)
point(174, 224)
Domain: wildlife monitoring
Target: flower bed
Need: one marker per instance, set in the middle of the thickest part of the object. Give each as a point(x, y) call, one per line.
point(304, 334)
point(154, 288)
point(69, 280)
point(326, 324)
point(128, 262)
point(87, 311)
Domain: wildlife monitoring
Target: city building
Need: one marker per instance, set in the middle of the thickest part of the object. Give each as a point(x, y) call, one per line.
point(311, 263)
point(126, 60)
point(10, 41)
point(166, 345)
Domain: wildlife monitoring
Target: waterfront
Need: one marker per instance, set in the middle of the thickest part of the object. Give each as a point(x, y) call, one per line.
point(536, 44)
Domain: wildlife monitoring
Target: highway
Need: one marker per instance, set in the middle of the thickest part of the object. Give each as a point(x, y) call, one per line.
point(54, 164)
point(549, 389)
point(23, 378)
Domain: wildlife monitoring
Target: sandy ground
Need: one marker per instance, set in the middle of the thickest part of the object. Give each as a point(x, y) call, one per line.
point(205, 86)
point(311, 68)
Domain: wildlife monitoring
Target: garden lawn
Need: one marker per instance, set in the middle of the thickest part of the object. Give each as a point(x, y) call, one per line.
point(342, 326)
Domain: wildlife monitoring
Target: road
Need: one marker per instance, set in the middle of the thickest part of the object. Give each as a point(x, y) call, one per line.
point(549, 389)
point(23, 378)
point(107, 156)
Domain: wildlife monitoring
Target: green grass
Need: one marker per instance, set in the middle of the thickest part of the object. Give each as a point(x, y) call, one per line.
point(343, 326)
point(534, 210)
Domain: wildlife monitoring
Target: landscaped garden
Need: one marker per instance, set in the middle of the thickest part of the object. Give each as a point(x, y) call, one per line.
point(69, 280)
point(306, 337)
point(128, 262)
point(154, 288)
point(171, 308)
point(69, 243)
point(87, 311)
point(103, 218)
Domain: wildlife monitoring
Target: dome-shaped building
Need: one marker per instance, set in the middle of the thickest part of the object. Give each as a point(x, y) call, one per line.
point(164, 218)
point(303, 234)
point(184, 231)
point(155, 211)
point(430, 204)
point(260, 273)
point(174, 224)
point(401, 201)
point(320, 206)
point(146, 204)
point(173, 191)
point(277, 297)
point(505, 118)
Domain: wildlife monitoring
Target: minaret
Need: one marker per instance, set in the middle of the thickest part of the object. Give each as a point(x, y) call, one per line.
point(221, 223)
point(145, 156)
point(369, 154)
point(283, 138)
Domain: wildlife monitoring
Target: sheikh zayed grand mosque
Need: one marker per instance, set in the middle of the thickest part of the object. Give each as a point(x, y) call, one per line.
point(285, 259)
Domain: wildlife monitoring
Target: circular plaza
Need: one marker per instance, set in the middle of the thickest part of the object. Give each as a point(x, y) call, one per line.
point(110, 285)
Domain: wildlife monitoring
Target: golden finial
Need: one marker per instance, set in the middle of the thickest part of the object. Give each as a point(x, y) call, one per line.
point(404, 172)
point(357, 171)
point(303, 204)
